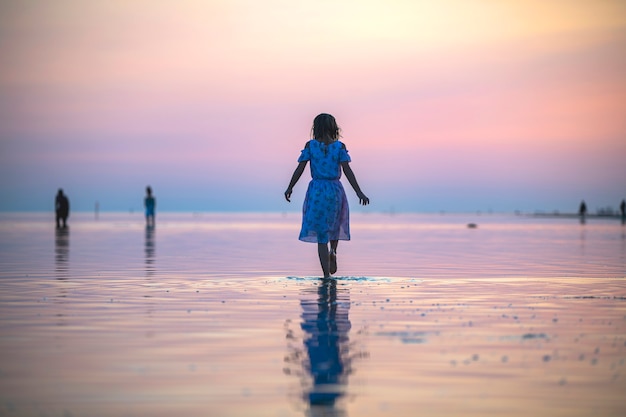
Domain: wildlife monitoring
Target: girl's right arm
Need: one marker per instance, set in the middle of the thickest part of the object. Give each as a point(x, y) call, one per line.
point(294, 179)
point(352, 180)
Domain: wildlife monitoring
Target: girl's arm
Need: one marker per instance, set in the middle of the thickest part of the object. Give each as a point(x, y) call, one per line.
point(352, 180)
point(294, 179)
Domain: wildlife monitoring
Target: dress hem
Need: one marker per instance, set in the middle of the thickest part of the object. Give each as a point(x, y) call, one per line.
point(316, 241)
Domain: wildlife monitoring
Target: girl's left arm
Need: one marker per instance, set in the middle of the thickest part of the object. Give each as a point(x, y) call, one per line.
point(294, 179)
point(353, 182)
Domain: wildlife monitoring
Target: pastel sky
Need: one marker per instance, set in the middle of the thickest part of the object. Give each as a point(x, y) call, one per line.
point(455, 105)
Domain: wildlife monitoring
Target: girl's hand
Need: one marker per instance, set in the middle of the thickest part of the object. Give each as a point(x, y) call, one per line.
point(288, 195)
point(363, 200)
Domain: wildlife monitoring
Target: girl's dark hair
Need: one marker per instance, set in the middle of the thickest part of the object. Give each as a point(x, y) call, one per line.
point(325, 128)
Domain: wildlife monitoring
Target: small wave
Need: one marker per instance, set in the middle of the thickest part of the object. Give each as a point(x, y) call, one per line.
point(348, 278)
point(414, 338)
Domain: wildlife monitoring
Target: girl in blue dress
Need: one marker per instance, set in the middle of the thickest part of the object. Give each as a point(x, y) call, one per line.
point(325, 213)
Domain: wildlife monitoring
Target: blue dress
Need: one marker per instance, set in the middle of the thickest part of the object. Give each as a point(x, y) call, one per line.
point(325, 213)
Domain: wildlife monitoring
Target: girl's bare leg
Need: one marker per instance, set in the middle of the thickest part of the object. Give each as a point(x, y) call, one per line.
point(332, 265)
point(322, 251)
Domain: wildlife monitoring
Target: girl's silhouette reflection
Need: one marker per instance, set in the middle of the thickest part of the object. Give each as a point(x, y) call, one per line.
point(325, 353)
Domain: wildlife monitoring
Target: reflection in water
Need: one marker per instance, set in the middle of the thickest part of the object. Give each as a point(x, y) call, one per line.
point(62, 252)
point(583, 239)
point(149, 248)
point(623, 251)
point(325, 355)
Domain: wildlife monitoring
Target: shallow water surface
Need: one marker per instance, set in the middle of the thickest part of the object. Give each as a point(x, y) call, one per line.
point(224, 314)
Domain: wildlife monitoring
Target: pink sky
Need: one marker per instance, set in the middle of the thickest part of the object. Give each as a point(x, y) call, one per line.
point(451, 105)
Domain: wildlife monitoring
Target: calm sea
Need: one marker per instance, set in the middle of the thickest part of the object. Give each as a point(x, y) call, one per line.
point(225, 315)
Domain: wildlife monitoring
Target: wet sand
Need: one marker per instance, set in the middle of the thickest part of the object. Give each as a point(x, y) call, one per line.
point(114, 320)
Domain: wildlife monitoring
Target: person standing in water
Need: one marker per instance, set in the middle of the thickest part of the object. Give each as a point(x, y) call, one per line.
point(149, 203)
point(582, 211)
point(62, 208)
point(325, 213)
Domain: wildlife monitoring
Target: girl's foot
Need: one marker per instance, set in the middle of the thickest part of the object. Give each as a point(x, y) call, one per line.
point(332, 261)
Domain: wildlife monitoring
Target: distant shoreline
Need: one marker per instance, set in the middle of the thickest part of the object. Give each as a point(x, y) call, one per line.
point(576, 215)
point(196, 213)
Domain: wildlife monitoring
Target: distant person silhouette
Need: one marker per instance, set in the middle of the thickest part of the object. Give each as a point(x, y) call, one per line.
point(150, 204)
point(622, 209)
point(582, 211)
point(62, 208)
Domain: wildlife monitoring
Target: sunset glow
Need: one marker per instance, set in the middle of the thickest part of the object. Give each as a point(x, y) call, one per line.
point(451, 105)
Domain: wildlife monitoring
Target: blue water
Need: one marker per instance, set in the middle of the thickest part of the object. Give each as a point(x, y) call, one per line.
point(239, 245)
point(225, 315)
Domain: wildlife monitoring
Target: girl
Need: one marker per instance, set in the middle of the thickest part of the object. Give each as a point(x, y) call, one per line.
point(325, 214)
